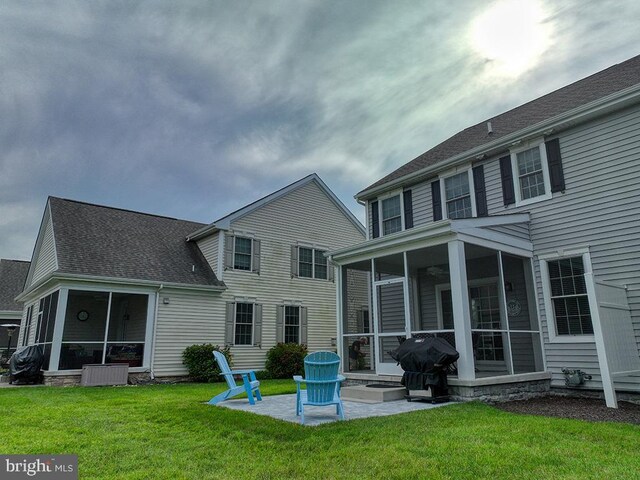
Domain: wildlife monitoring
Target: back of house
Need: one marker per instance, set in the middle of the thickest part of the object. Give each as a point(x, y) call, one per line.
point(108, 285)
point(517, 240)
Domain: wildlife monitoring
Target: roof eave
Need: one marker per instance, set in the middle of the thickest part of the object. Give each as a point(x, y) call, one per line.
point(203, 232)
point(588, 111)
point(123, 281)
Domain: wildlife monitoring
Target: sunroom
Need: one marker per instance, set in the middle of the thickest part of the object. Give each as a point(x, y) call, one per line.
point(90, 324)
point(469, 281)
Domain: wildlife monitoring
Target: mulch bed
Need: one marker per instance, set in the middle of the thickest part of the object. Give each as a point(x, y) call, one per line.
point(592, 410)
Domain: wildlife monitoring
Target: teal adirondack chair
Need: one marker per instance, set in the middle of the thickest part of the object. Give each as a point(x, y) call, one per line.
point(249, 382)
point(323, 383)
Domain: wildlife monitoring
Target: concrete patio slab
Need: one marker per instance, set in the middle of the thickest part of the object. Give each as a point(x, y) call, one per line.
point(283, 407)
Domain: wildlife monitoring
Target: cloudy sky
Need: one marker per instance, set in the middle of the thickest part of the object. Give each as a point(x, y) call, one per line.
point(193, 109)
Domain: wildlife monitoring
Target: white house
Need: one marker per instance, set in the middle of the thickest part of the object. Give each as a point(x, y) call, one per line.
point(518, 240)
point(114, 286)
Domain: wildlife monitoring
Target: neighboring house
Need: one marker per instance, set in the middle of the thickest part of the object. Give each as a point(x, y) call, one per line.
point(108, 285)
point(12, 276)
point(518, 240)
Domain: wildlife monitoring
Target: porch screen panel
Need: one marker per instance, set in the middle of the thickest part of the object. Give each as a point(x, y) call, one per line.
point(357, 329)
point(127, 327)
point(86, 316)
point(391, 308)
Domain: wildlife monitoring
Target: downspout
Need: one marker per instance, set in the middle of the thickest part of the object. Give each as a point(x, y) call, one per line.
point(153, 339)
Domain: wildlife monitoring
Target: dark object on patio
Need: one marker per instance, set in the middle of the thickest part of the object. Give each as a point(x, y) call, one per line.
point(425, 362)
point(25, 365)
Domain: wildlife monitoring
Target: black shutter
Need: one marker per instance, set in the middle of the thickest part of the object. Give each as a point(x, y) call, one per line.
point(408, 209)
point(556, 174)
point(436, 200)
point(375, 223)
point(480, 191)
point(506, 174)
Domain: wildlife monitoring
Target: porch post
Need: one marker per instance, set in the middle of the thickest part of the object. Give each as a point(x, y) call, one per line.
point(339, 312)
point(461, 311)
point(58, 328)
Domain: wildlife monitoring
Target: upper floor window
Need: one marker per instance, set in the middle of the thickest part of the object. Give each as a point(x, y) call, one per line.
point(391, 215)
point(457, 196)
point(530, 174)
point(312, 263)
point(241, 252)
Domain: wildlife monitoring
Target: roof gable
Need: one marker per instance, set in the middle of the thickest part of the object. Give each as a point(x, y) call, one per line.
point(13, 274)
point(614, 79)
point(108, 242)
point(224, 223)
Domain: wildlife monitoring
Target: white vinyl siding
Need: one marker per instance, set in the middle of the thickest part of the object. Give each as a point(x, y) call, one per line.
point(187, 319)
point(45, 260)
point(305, 215)
point(210, 248)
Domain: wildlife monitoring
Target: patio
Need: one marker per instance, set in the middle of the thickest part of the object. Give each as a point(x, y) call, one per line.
point(283, 407)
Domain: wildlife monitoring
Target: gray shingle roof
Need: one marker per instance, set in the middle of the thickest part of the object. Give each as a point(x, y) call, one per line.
point(13, 273)
point(110, 242)
point(599, 85)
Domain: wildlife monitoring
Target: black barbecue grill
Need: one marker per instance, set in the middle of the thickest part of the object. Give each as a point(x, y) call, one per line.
point(425, 362)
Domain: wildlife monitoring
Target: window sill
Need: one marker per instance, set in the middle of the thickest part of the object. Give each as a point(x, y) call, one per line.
point(531, 201)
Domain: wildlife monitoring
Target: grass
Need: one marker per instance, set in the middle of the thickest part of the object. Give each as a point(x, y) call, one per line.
point(166, 431)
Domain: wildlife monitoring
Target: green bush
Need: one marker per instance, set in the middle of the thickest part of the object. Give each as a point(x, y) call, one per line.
point(201, 364)
point(286, 360)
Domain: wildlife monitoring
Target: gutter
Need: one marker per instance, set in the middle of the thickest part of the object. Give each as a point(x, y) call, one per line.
point(122, 281)
point(155, 329)
point(617, 100)
point(203, 232)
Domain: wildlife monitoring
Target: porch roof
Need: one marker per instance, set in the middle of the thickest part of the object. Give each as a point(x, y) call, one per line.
point(472, 230)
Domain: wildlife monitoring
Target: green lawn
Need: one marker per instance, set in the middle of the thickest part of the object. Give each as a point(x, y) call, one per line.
point(166, 431)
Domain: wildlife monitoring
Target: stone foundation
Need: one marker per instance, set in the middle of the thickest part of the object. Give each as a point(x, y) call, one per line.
point(73, 380)
point(500, 393)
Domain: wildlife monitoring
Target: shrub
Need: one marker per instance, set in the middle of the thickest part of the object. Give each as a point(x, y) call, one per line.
point(286, 360)
point(201, 364)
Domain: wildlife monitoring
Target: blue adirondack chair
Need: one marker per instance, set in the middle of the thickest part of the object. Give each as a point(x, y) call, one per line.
point(249, 382)
point(323, 383)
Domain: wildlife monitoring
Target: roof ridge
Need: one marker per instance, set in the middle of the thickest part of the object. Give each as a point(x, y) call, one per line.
point(123, 209)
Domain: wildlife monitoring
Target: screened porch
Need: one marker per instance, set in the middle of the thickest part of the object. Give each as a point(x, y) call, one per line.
point(467, 284)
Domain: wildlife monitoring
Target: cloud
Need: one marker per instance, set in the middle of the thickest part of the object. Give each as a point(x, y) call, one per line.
point(193, 109)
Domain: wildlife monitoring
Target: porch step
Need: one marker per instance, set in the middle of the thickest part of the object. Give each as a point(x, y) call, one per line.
point(364, 394)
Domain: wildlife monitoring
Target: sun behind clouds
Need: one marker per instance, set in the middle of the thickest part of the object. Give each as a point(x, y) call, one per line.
point(512, 34)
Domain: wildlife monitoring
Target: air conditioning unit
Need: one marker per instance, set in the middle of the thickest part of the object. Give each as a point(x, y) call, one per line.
point(94, 375)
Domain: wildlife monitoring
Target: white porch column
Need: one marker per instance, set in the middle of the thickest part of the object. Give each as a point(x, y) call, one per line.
point(339, 313)
point(58, 328)
point(461, 312)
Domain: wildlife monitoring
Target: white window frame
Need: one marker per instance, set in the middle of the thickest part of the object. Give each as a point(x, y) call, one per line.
point(443, 193)
point(247, 237)
point(284, 320)
point(235, 322)
point(314, 249)
point(545, 172)
point(387, 196)
point(550, 315)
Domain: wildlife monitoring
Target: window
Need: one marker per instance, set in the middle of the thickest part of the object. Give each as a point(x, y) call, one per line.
point(242, 253)
point(312, 263)
point(291, 324)
point(27, 326)
point(569, 296)
point(244, 324)
point(458, 196)
point(530, 172)
point(391, 215)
